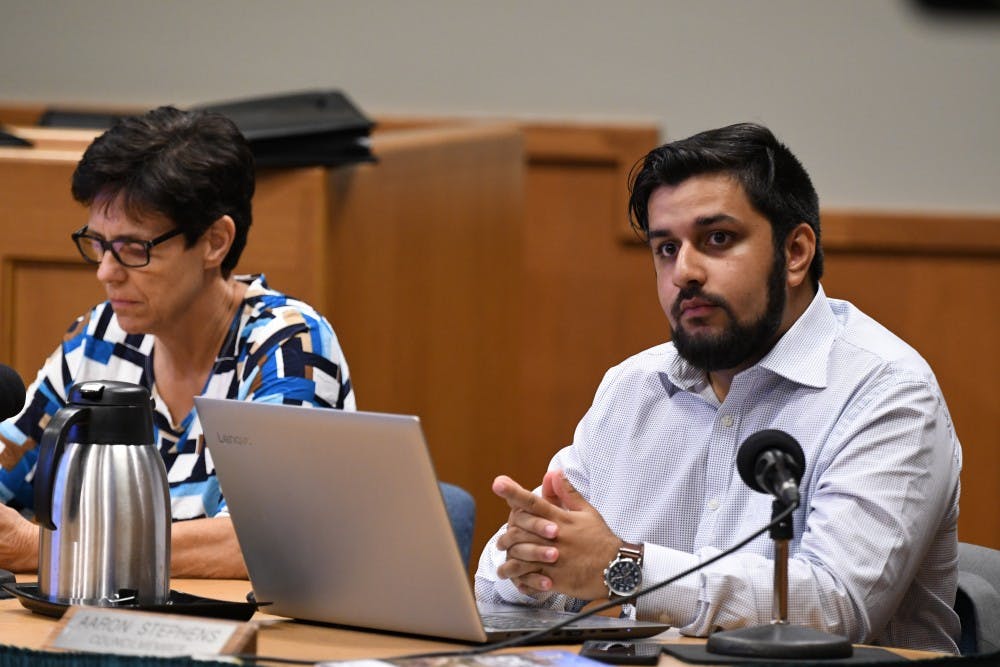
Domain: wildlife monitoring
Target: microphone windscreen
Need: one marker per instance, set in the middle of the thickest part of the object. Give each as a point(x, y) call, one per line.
point(11, 392)
point(760, 442)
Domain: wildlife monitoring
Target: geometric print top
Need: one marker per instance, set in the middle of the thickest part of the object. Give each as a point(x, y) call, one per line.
point(278, 350)
point(874, 547)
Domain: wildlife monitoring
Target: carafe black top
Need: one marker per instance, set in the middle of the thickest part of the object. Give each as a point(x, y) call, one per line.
point(120, 413)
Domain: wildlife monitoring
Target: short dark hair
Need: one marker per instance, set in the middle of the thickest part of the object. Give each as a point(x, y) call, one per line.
point(191, 166)
point(775, 182)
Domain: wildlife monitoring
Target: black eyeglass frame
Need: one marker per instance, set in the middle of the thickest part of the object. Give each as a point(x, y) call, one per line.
point(106, 245)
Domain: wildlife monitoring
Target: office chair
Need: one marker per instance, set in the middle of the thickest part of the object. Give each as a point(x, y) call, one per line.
point(978, 600)
point(462, 511)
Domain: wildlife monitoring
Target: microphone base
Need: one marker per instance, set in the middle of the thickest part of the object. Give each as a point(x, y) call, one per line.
point(779, 640)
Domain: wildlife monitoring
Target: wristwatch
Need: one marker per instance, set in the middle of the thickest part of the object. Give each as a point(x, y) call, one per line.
point(623, 575)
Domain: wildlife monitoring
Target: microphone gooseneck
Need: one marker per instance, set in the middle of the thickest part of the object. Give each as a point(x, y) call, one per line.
point(11, 392)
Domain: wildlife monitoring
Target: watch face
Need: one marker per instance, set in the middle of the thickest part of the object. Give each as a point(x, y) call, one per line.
point(624, 577)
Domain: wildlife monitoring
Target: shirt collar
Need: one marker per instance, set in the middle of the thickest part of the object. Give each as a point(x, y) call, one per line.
point(801, 355)
point(256, 283)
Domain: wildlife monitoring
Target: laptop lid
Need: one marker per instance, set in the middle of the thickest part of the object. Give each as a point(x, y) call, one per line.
point(340, 519)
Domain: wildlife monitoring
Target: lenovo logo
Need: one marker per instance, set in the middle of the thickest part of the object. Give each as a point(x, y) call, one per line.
point(230, 439)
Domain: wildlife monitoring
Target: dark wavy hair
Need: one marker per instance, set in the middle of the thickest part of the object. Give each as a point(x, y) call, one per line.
point(191, 166)
point(774, 180)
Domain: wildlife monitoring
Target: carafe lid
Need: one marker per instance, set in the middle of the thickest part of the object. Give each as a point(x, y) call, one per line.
point(120, 413)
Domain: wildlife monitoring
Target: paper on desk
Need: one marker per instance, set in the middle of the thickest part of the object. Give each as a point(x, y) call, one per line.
point(529, 659)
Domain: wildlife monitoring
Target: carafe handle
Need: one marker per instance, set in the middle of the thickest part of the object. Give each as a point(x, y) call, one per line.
point(50, 450)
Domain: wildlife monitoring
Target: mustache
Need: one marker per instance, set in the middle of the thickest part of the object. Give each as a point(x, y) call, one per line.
point(695, 292)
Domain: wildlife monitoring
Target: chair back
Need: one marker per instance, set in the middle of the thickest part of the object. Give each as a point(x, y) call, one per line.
point(978, 600)
point(461, 508)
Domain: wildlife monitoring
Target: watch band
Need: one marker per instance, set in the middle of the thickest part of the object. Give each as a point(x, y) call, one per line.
point(632, 551)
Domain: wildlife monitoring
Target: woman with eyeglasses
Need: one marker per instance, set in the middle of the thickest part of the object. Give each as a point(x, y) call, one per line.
point(169, 200)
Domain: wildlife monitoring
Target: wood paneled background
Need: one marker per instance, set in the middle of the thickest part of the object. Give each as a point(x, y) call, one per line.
point(482, 275)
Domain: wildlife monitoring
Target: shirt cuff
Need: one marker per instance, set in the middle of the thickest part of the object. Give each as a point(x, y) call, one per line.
point(676, 603)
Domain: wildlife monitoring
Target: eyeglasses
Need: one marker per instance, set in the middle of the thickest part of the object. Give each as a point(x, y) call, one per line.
point(132, 253)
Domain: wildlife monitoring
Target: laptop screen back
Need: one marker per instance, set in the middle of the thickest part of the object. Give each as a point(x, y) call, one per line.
point(340, 518)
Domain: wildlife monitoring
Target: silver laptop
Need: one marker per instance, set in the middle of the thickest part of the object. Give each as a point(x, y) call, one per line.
point(340, 519)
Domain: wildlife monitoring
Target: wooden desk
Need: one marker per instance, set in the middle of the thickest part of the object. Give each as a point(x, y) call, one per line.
point(280, 637)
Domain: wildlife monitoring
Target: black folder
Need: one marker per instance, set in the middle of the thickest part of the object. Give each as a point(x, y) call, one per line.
point(8, 139)
point(75, 118)
point(318, 127)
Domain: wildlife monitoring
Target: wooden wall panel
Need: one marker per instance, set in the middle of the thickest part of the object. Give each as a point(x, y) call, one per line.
point(587, 293)
point(36, 219)
point(289, 232)
point(423, 269)
point(20, 114)
point(46, 298)
point(590, 301)
point(933, 281)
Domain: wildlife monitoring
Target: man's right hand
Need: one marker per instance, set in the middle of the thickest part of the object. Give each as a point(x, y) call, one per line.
point(533, 535)
point(556, 541)
point(18, 542)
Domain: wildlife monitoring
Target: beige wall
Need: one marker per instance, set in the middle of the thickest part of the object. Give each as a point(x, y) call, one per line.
point(887, 108)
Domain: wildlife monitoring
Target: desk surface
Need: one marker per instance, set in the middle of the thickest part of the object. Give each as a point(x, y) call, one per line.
point(281, 637)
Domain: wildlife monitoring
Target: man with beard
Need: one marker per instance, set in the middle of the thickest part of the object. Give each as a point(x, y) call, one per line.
point(732, 220)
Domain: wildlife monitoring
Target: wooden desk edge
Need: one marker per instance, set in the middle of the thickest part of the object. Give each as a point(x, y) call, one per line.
point(278, 636)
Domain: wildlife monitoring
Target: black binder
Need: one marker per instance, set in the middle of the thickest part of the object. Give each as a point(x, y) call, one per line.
point(298, 129)
point(8, 139)
point(89, 120)
point(320, 127)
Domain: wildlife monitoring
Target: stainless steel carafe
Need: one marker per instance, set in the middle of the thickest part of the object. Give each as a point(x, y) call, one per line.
point(102, 500)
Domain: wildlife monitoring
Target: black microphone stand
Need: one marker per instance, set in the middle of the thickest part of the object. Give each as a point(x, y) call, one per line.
point(779, 639)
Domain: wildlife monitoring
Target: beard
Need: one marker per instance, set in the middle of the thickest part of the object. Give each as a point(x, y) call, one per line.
point(738, 343)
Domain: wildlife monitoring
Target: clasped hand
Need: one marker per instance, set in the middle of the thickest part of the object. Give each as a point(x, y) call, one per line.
point(556, 541)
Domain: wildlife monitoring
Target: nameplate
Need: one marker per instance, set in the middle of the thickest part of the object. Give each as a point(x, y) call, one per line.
point(128, 632)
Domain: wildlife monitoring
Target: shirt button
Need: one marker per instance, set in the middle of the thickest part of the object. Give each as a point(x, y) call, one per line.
point(713, 504)
point(727, 420)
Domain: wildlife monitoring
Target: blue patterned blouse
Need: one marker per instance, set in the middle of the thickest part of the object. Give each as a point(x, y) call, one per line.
point(279, 350)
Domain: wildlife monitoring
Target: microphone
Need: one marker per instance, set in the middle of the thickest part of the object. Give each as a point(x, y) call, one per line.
point(11, 392)
point(772, 462)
